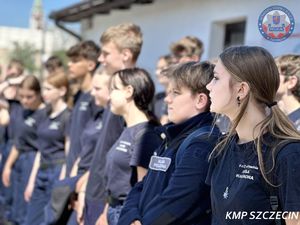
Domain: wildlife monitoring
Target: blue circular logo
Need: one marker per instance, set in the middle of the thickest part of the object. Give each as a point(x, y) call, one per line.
point(276, 23)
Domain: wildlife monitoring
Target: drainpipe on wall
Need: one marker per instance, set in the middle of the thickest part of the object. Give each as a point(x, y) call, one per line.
point(68, 30)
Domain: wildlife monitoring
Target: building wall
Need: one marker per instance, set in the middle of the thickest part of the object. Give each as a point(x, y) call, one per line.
point(165, 21)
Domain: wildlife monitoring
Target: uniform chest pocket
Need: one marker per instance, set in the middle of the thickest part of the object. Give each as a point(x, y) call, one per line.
point(159, 163)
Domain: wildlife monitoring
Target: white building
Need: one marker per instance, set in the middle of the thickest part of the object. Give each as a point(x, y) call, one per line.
point(42, 39)
point(218, 23)
point(54, 39)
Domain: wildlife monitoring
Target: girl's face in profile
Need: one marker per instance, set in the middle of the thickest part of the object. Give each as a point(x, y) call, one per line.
point(50, 93)
point(222, 92)
point(100, 89)
point(118, 96)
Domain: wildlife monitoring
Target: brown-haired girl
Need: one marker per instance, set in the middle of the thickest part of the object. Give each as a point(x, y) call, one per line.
point(254, 171)
point(23, 152)
point(51, 136)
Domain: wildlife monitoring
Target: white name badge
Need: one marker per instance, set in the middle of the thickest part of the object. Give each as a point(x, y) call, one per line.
point(159, 163)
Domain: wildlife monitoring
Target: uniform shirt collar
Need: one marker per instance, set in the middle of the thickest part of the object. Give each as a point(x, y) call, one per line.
point(173, 130)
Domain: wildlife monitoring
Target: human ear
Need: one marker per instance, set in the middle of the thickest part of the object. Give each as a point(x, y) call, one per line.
point(243, 90)
point(62, 91)
point(91, 65)
point(127, 55)
point(201, 101)
point(129, 91)
point(292, 82)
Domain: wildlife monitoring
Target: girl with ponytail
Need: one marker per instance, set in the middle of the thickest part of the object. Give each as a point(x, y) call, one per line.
point(255, 168)
point(131, 94)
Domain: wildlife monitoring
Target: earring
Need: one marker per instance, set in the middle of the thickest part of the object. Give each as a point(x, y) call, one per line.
point(238, 101)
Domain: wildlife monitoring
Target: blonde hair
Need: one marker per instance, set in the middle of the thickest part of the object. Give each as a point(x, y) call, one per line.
point(256, 66)
point(125, 36)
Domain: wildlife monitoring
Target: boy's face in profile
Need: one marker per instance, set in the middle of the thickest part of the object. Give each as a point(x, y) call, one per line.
point(78, 67)
point(181, 103)
point(111, 58)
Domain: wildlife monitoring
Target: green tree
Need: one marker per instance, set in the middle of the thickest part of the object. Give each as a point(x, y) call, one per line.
point(26, 53)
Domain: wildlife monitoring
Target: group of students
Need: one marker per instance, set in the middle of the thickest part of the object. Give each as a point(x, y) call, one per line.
point(97, 154)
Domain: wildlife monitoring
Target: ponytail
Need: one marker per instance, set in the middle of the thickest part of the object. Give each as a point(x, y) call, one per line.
point(151, 117)
point(256, 66)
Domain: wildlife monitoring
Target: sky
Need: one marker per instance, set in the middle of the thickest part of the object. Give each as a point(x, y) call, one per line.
point(16, 13)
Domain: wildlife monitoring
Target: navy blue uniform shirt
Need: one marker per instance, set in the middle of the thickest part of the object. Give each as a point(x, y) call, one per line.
point(133, 148)
point(237, 184)
point(89, 138)
point(81, 113)
point(51, 137)
point(113, 126)
point(174, 189)
point(15, 113)
point(26, 137)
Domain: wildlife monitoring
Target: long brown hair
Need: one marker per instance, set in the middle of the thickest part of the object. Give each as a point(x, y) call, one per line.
point(256, 66)
point(32, 83)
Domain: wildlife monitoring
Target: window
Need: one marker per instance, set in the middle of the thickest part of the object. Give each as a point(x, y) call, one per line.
point(234, 34)
point(226, 33)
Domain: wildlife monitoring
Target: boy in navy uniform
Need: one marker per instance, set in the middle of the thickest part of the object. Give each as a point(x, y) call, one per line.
point(121, 45)
point(82, 64)
point(174, 190)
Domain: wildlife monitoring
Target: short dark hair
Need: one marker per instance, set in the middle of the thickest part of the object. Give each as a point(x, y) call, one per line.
point(53, 62)
point(86, 50)
point(143, 87)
